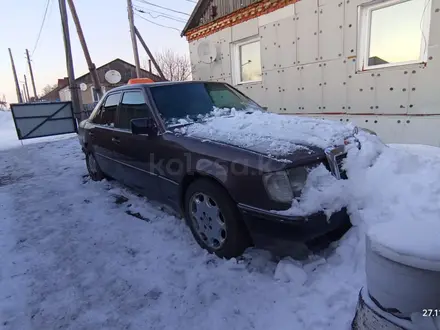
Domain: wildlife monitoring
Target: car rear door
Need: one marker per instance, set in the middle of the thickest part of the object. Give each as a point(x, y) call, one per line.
point(135, 154)
point(100, 135)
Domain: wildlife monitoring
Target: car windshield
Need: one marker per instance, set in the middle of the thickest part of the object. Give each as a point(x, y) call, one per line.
point(188, 102)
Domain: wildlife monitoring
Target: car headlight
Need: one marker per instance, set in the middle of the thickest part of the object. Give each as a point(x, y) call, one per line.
point(298, 178)
point(284, 186)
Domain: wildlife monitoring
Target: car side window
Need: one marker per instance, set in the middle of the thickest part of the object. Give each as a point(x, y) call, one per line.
point(132, 106)
point(107, 113)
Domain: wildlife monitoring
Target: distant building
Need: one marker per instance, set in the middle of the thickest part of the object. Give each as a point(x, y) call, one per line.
point(112, 74)
point(54, 95)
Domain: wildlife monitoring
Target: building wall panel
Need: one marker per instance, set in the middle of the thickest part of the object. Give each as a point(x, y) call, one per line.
point(311, 87)
point(271, 89)
point(424, 90)
point(290, 94)
point(351, 26)
point(331, 37)
point(307, 31)
point(392, 91)
point(361, 91)
point(434, 35)
point(245, 30)
point(278, 15)
point(334, 92)
point(286, 42)
point(268, 39)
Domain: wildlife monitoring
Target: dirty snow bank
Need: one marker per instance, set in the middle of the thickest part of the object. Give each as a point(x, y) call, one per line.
point(269, 132)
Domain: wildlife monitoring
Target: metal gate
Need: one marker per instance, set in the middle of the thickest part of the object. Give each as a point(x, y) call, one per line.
point(33, 120)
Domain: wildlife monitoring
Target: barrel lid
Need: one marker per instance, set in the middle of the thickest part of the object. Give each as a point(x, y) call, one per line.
point(412, 243)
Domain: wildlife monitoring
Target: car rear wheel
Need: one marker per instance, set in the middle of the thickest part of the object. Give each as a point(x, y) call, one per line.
point(93, 167)
point(214, 219)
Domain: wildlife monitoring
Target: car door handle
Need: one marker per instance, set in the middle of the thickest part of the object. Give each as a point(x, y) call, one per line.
point(116, 140)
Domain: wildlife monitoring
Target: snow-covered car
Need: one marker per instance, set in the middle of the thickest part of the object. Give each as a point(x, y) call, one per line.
point(227, 166)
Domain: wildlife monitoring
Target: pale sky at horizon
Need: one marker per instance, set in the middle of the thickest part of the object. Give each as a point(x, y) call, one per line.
point(106, 30)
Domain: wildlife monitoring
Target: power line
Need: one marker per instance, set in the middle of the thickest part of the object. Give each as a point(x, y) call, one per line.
point(41, 27)
point(161, 15)
point(191, 1)
point(143, 9)
point(165, 26)
point(154, 5)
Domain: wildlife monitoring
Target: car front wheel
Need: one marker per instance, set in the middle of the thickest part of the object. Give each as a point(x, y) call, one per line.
point(93, 167)
point(214, 219)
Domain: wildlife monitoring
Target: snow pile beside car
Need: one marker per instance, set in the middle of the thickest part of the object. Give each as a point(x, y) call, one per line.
point(268, 132)
point(384, 184)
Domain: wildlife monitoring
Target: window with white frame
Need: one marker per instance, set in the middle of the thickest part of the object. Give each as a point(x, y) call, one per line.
point(393, 32)
point(247, 61)
point(95, 95)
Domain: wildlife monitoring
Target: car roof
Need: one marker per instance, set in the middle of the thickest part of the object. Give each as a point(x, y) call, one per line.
point(162, 83)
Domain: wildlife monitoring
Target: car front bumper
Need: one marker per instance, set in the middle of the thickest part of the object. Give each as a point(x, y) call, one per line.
point(281, 233)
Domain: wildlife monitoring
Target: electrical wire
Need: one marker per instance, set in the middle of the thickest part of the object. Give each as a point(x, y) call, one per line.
point(154, 5)
point(191, 1)
point(159, 12)
point(41, 27)
point(425, 39)
point(160, 15)
point(165, 26)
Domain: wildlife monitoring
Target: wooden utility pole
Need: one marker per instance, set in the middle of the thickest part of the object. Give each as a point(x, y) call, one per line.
point(24, 94)
point(17, 86)
point(133, 38)
point(32, 75)
point(150, 55)
point(74, 92)
point(82, 40)
point(26, 90)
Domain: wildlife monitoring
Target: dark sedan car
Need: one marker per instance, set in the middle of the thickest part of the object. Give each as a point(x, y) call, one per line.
point(229, 187)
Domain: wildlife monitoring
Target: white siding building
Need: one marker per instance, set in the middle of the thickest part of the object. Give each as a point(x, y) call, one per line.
point(375, 63)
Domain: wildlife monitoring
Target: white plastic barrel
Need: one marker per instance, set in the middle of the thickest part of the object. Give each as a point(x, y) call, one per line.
point(403, 266)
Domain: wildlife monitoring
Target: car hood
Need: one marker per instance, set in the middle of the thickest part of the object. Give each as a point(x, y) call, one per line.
point(283, 137)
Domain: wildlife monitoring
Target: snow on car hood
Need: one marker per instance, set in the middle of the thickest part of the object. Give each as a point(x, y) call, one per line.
point(269, 133)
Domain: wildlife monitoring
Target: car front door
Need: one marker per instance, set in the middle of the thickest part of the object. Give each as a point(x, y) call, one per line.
point(135, 153)
point(101, 133)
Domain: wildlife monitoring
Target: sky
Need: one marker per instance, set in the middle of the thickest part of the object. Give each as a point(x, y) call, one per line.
point(106, 30)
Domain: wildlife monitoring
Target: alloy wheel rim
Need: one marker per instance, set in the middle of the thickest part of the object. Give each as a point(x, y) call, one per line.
point(208, 220)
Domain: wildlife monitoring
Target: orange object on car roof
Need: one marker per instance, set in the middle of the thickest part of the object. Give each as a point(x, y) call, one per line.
point(139, 81)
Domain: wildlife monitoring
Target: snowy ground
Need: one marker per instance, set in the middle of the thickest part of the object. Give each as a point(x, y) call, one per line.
point(74, 258)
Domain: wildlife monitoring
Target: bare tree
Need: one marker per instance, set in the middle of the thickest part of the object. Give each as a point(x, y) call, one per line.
point(175, 66)
point(48, 88)
point(3, 103)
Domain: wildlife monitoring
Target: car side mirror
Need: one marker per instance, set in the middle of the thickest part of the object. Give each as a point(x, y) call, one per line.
point(144, 126)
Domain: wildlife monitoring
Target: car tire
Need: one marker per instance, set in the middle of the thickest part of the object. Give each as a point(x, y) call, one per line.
point(206, 195)
point(93, 168)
